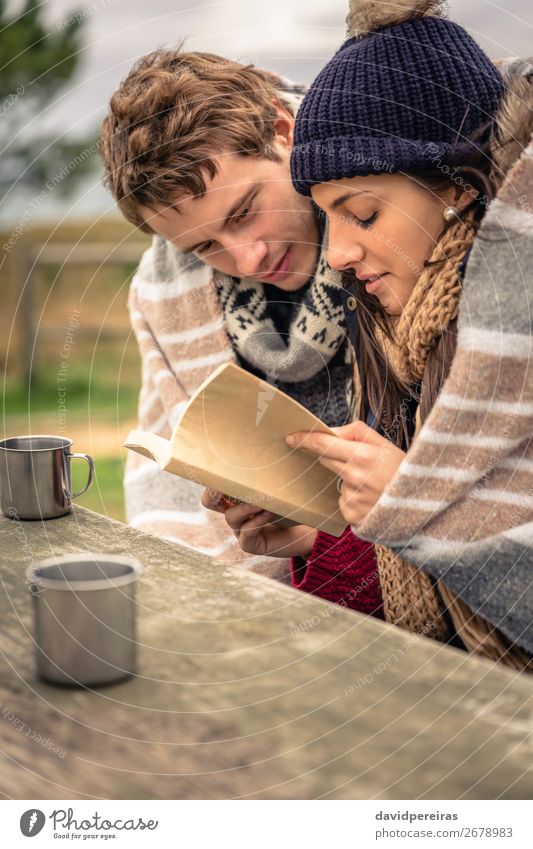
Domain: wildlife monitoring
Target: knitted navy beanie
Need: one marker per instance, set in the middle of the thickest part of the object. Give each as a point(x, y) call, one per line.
point(407, 90)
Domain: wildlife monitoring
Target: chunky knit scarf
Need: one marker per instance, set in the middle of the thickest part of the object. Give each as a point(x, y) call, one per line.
point(411, 598)
point(313, 360)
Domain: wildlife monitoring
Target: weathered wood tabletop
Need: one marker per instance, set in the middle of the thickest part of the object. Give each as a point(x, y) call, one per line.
point(249, 689)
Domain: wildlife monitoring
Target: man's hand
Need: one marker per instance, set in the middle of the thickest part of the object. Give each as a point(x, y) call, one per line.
point(365, 462)
point(253, 528)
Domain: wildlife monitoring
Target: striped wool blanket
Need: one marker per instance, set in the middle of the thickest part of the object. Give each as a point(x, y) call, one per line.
point(180, 331)
point(461, 503)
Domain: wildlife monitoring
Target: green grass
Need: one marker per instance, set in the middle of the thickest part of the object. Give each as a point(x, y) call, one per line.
point(98, 395)
point(106, 495)
point(105, 393)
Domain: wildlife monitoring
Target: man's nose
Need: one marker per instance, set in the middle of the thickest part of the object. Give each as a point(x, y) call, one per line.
point(249, 257)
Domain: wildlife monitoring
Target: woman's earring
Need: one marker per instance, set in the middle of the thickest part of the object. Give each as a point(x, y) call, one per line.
point(450, 214)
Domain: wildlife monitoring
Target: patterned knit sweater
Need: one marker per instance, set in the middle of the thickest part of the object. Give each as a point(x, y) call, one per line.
point(461, 503)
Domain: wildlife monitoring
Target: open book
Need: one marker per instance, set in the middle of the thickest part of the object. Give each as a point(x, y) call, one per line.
point(231, 438)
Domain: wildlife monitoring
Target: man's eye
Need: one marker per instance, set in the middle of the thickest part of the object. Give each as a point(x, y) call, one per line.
point(242, 215)
point(204, 248)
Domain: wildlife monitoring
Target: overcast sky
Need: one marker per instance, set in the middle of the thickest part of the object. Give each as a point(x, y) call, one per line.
point(295, 37)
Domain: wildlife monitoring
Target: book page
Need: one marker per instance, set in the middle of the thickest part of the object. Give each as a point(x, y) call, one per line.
point(231, 437)
point(149, 445)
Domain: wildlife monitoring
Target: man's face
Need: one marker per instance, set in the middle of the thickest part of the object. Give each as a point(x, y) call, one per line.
point(250, 222)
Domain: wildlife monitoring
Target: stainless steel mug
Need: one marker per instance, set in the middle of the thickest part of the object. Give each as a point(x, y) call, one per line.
point(35, 477)
point(84, 617)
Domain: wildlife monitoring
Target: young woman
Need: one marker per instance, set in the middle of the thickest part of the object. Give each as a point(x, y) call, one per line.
point(402, 141)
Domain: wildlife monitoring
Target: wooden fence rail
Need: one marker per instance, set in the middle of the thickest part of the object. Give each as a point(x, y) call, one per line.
point(29, 263)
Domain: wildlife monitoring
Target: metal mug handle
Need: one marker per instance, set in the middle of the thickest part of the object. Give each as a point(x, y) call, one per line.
point(90, 462)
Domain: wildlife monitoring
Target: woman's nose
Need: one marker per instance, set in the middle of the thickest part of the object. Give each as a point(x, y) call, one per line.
point(343, 252)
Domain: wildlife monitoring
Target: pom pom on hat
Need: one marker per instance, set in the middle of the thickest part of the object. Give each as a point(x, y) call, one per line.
point(370, 15)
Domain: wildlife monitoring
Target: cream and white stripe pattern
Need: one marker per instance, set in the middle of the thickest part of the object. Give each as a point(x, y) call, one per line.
point(461, 504)
point(180, 332)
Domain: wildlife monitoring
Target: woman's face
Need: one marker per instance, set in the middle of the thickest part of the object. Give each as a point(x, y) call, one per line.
point(384, 227)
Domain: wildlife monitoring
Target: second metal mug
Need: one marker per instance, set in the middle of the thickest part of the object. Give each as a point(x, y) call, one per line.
point(35, 476)
point(84, 617)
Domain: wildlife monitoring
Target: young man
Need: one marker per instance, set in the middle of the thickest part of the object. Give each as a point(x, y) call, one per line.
point(196, 150)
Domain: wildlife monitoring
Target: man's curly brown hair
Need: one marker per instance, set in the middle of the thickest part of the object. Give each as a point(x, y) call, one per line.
point(172, 115)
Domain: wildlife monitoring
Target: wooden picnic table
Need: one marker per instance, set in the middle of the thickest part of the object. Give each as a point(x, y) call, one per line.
point(248, 688)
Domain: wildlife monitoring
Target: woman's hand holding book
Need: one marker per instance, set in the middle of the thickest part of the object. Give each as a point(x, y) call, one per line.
point(364, 460)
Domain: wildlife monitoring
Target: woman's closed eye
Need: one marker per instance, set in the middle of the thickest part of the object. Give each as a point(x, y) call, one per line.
point(365, 223)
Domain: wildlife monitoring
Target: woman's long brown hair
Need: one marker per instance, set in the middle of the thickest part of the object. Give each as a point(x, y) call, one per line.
point(383, 393)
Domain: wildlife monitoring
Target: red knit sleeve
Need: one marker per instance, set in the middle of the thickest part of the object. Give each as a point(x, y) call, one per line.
point(341, 570)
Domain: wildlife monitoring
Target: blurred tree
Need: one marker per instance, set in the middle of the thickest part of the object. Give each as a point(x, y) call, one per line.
point(35, 63)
